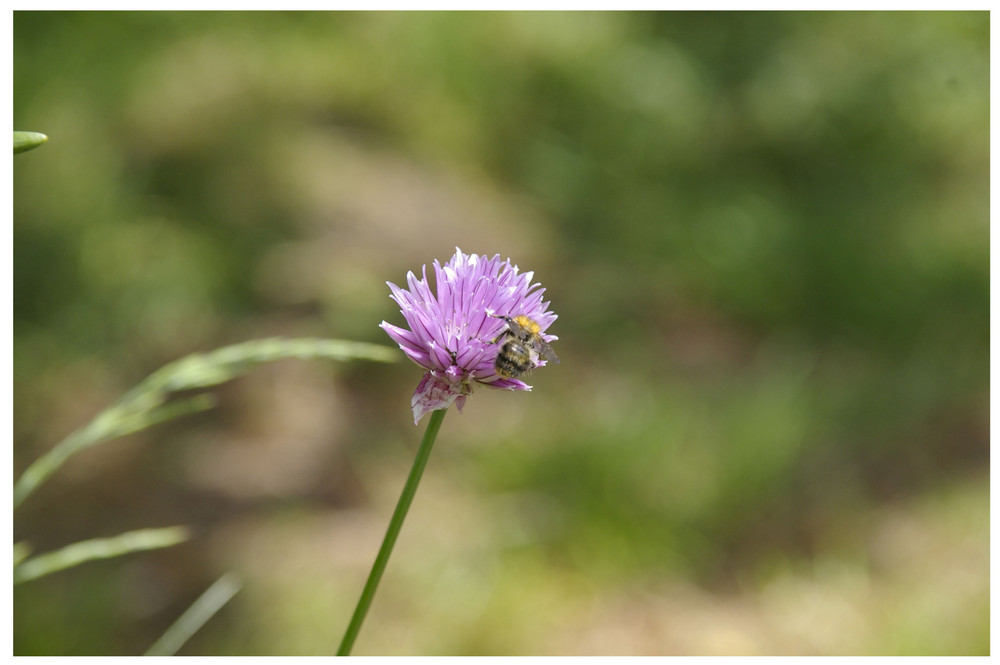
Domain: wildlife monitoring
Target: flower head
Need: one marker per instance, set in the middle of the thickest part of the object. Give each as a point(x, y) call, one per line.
point(455, 333)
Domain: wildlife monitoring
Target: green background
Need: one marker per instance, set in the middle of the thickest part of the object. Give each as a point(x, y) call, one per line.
point(765, 235)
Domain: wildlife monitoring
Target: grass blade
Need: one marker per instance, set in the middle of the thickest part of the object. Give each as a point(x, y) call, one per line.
point(24, 141)
point(141, 406)
point(197, 615)
point(98, 548)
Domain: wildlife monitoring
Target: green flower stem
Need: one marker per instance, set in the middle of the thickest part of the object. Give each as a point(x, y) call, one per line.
point(395, 524)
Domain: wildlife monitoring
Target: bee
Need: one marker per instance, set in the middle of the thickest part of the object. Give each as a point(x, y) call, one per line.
point(521, 338)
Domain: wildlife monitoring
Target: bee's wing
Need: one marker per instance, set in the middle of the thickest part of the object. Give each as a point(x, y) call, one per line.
point(545, 351)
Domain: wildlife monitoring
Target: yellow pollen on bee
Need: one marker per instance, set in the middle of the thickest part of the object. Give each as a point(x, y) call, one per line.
point(528, 324)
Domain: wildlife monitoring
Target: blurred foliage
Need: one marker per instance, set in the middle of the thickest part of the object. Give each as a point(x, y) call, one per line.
point(766, 238)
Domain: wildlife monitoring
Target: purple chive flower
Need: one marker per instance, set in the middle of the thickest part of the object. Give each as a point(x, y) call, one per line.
point(451, 333)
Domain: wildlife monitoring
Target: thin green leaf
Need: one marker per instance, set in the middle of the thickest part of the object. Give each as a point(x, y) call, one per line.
point(196, 616)
point(146, 419)
point(141, 406)
point(98, 548)
point(24, 141)
point(221, 365)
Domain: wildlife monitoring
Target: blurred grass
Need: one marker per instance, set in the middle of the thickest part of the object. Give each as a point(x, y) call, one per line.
point(146, 404)
point(766, 238)
point(97, 548)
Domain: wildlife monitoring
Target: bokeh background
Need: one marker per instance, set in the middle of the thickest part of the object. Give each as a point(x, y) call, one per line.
point(765, 235)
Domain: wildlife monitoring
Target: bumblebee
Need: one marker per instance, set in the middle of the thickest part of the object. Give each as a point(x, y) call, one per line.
point(521, 339)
